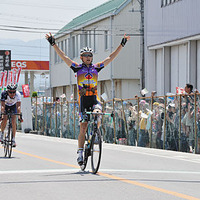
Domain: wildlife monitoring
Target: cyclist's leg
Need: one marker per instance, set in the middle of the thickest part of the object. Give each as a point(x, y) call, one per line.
point(5, 118)
point(3, 123)
point(3, 126)
point(81, 141)
point(14, 125)
point(98, 108)
point(81, 137)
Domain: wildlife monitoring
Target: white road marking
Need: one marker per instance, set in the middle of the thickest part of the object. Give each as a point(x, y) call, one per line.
point(39, 171)
point(101, 170)
point(149, 171)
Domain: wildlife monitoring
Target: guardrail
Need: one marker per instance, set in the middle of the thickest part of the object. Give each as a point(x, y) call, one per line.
point(164, 122)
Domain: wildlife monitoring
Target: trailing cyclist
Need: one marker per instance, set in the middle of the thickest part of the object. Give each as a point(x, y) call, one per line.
point(10, 102)
point(87, 77)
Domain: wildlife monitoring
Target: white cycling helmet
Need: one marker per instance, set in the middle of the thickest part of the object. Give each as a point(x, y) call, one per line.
point(11, 86)
point(86, 50)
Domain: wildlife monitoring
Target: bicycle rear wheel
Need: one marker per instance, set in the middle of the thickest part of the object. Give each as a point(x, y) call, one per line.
point(96, 148)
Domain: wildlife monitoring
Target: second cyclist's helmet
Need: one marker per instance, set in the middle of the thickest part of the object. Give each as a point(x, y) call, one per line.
point(11, 86)
point(86, 50)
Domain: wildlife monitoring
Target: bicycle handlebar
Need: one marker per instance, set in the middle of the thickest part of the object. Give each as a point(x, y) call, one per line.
point(11, 114)
point(20, 114)
point(98, 113)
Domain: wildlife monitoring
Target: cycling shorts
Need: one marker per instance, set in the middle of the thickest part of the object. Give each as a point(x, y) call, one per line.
point(88, 103)
point(11, 109)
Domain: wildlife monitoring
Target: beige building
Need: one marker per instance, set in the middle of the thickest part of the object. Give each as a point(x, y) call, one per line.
point(102, 29)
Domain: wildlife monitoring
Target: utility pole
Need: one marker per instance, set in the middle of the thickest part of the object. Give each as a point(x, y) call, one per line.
point(142, 69)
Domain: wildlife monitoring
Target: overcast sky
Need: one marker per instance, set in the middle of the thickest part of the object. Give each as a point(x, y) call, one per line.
point(24, 24)
point(20, 18)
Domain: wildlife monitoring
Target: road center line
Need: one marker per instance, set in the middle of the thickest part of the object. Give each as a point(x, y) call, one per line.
point(116, 178)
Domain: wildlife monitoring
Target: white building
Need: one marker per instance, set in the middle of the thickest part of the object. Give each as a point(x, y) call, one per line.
point(172, 44)
point(102, 29)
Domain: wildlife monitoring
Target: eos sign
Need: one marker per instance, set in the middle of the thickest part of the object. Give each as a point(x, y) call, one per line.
point(17, 64)
point(32, 65)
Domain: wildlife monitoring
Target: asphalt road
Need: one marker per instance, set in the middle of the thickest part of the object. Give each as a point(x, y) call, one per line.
point(45, 168)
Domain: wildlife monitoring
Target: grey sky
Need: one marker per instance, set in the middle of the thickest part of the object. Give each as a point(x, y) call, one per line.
point(37, 15)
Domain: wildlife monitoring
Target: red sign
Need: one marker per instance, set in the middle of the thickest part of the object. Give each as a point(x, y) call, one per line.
point(26, 91)
point(30, 65)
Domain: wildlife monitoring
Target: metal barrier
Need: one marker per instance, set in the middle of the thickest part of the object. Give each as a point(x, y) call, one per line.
point(163, 122)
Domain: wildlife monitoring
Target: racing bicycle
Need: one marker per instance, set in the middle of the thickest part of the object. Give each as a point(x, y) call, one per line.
point(93, 140)
point(8, 135)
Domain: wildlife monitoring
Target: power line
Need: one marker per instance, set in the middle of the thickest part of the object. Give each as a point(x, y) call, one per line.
point(32, 18)
point(24, 46)
point(62, 7)
point(30, 55)
point(3, 29)
point(25, 27)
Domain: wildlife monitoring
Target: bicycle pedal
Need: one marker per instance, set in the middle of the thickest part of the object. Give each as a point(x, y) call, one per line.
point(80, 163)
point(82, 167)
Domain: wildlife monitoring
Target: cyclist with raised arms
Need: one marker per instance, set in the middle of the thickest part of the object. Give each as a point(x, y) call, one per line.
point(10, 102)
point(87, 77)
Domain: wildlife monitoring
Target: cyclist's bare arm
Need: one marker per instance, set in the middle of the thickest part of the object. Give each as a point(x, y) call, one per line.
point(114, 53)
point(2, 106)
point(18, 105)
point(62, 55)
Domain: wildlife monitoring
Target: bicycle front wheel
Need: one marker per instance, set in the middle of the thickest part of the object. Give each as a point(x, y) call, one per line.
point(96, 148)
point(8, 143)
point(85, 157)
point(5, 144)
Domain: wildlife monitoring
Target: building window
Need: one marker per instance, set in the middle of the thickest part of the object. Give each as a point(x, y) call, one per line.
point(89, 39)
point(55, 57)
point(66, 47)
point(95, 41)
point(85, 40)
point(73, 47)
point(92, 39)
point(62, 48)
point(106, 39)
point(58, 57)
point(77, 45)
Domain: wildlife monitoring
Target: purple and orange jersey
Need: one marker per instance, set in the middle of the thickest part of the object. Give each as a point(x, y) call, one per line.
point(87, 77)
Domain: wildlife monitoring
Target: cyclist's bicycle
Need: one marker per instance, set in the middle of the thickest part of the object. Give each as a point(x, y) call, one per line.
point(8, 135)
point(93, 141)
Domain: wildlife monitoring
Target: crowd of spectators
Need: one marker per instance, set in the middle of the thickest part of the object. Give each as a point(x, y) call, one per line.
point(166, 122)
point(150, 124)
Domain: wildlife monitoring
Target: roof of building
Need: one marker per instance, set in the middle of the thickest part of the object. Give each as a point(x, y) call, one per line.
point(108, 7)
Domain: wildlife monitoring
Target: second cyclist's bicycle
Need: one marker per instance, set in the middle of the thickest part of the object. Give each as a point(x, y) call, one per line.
point(93, 141)
point(8, 135)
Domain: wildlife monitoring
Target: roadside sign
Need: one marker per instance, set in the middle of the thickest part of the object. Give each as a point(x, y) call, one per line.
point(5, 60)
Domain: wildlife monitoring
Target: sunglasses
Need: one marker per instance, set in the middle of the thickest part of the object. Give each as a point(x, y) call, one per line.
point(87, 55)
point(12, 92)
